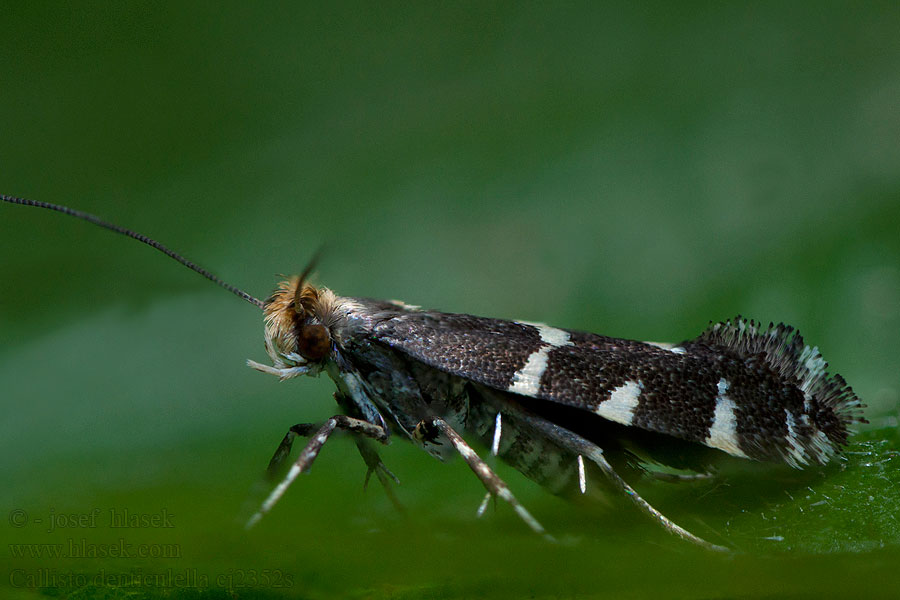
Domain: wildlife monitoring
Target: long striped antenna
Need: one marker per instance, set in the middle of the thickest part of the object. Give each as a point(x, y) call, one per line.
point(137, 236)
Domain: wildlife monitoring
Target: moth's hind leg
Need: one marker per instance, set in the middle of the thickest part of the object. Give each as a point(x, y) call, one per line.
point(578, 445)
point(595, 455)
point(680, 477)
point(318, 436)
point(495, 486)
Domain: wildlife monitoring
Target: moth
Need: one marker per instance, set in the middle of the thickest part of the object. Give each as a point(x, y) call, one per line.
point(556, 404)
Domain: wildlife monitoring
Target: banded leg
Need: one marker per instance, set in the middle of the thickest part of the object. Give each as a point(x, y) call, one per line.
point(311, 451)
point(495, 486)
point(284, 448)
point(369, 455)
point(495, 449)
point(680, 477)
point(580, 446)
point(375, 465)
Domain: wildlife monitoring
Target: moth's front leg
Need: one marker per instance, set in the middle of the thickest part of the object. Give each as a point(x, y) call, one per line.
point(495, 486)
point(369, 455)
point(304, 461)
point(284, 448)
point(283, 374)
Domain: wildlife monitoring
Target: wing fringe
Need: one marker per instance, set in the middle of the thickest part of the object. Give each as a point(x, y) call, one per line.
point(830, 403)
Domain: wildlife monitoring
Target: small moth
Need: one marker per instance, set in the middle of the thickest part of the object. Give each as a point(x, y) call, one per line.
point(551, 402)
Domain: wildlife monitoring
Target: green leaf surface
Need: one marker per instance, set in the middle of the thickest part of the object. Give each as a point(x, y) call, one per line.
point(636, 170)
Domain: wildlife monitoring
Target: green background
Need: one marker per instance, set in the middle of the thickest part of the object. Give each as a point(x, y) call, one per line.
point(632, 170)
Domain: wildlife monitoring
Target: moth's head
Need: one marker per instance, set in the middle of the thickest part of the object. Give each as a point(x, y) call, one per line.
point(295, 334)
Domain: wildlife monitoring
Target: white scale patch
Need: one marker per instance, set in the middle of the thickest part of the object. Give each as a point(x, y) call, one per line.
point(527, 380)
point(795, 449)
point(723, 432)
point(582, 480)
point(722, 387)
point(495, 445)
point(622, 401)
point(670, 347)
point(823, 447)
point(815, 366)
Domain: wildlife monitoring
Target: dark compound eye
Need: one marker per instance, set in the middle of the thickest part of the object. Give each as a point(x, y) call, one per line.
point(314, 342)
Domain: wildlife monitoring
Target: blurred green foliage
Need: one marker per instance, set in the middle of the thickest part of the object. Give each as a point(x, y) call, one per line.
point(631, 169)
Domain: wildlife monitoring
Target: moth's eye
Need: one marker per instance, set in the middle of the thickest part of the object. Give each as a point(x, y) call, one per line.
point(313, 342)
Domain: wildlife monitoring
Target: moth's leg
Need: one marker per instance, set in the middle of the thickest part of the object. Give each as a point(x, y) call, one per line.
point(680, 477)
point(493, 483)
point(282, 374)
point(369, 455)
point(495, 449)
point(596, 456)
point(580, 446)
point(311, 451)
point(284, 448)
point(374, 464)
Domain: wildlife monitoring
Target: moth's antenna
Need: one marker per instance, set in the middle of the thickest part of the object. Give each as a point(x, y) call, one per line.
point(302, 279)
point(137, 236)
